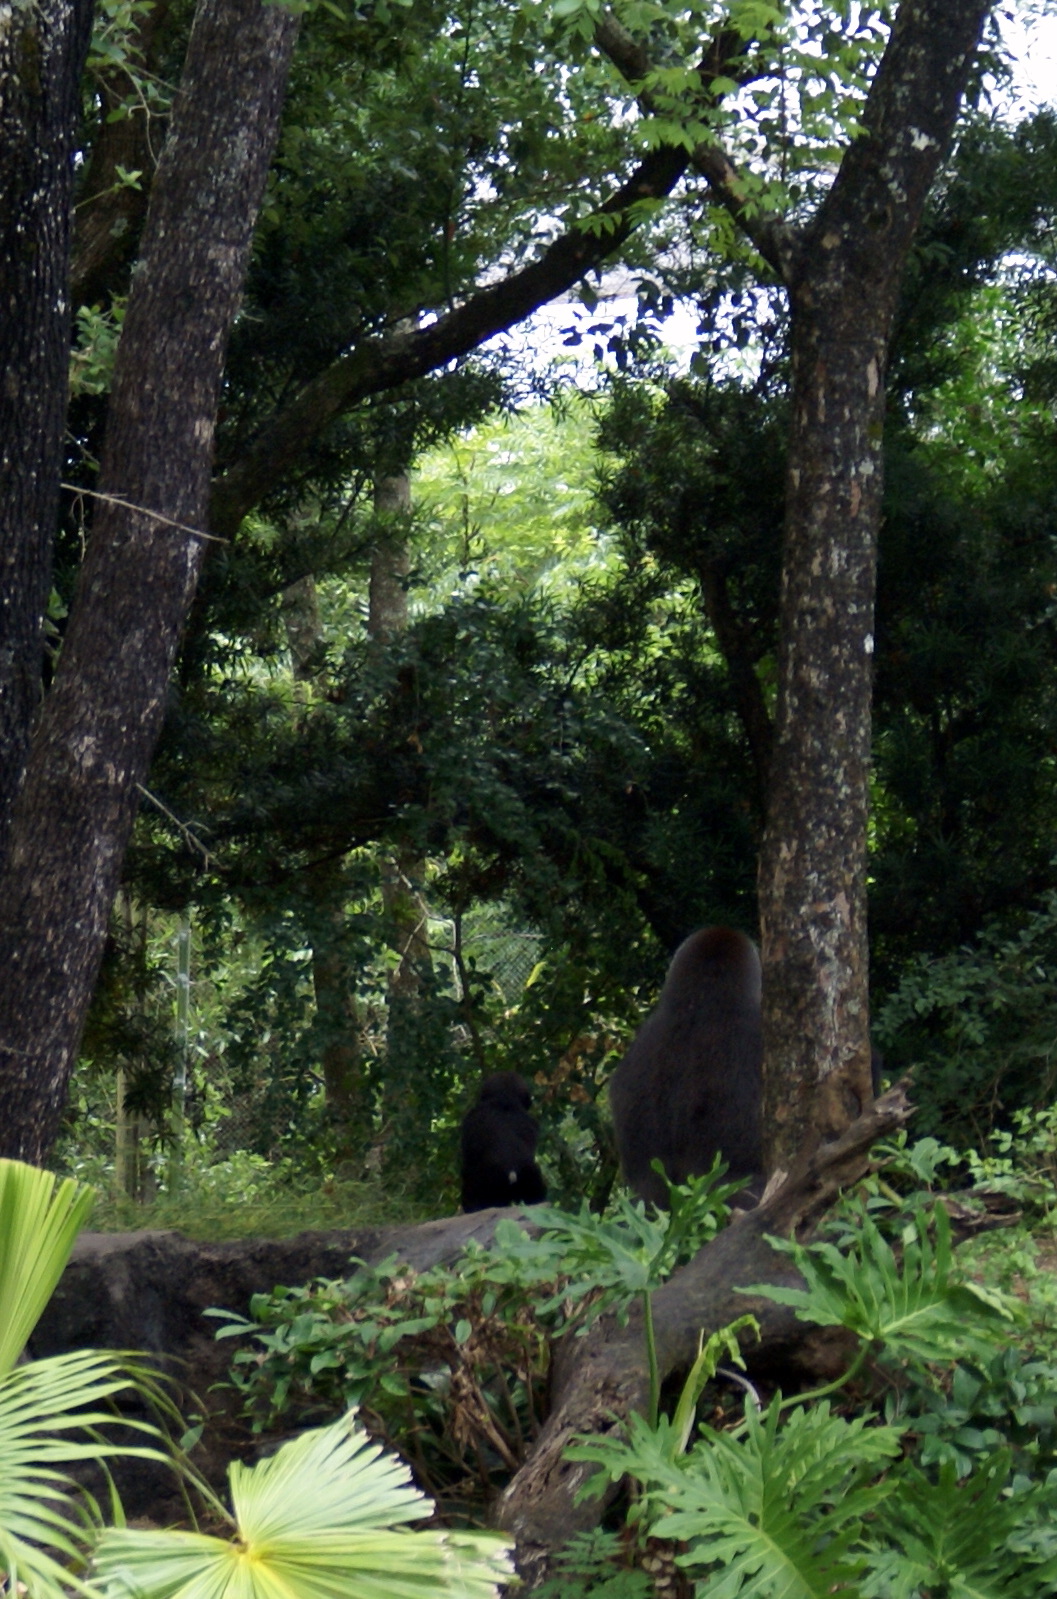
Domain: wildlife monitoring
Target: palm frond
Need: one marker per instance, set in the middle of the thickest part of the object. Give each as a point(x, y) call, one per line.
point(316, 1521)
point(40, 1217)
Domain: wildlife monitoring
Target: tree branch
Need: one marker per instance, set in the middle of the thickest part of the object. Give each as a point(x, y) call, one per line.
point(884, 178)
point(397, 357)
point(772, 238)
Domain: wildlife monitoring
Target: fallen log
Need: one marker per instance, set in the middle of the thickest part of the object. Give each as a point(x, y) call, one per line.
point(600, 1378)
point(146, 1293)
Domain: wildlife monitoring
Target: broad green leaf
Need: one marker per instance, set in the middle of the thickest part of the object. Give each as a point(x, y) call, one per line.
point(912, 1304)
point(316, 1521)
point(960, 1537)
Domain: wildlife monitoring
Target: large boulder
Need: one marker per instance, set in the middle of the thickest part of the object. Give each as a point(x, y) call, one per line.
point(145, 1293)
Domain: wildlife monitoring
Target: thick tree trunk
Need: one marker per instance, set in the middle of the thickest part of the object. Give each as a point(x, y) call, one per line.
point(844, 276)
point(42, 51)
point(73, 817)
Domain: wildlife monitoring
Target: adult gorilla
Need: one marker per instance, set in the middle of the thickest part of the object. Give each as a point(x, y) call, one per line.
point(690, 1087)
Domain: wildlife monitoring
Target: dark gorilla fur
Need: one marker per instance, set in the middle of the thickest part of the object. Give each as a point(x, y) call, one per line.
point(690, 1086)
point(499, 1146)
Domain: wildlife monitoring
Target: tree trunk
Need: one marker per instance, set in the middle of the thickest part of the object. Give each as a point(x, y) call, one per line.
point(42, 51)
point(333, 973)
point(111, 210)
point(406, 915)
point(405, 909)
point(74, 814)
point(390, 561)
point(844, 277)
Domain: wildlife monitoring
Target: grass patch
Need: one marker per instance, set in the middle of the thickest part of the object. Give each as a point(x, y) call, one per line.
point(250, 1197)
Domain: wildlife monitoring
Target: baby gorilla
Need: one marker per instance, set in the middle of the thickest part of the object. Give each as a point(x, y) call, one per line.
point(499, 1146)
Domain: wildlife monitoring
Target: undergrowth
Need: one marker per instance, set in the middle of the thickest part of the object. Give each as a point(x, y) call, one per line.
point(247, 1196)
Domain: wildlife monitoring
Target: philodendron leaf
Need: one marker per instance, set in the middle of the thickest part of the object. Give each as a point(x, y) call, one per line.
point(912, 1303)
point(962, 1537)
point(778, 1509)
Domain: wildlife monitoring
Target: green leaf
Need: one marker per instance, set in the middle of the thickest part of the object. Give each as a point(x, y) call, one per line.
point(316, 1521)
point(709, 1355)
point(776, 1511)
point(40, 1404)
point(913, 1305)
point(40, 1217)
point(960, 1537)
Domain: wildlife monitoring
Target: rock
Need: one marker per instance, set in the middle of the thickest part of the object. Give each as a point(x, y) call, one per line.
point(145, 1294)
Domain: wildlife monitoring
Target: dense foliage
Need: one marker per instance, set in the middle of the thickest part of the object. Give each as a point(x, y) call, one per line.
point(560, 751)
point(929, 1463)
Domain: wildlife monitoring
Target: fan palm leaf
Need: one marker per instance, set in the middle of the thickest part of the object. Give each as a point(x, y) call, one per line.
point(40, 1217)
point(324, 1518)
point(45, 1527)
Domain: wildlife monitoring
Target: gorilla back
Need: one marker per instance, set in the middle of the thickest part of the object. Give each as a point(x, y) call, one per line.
point(499, 1146)
point(690, 1086)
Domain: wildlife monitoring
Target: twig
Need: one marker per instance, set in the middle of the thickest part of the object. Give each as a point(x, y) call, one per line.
point(119, 499)
point(190, 839)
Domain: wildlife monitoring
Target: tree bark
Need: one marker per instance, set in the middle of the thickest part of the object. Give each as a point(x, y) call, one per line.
point(843, 287)
point(42, 52)
point(90, 754)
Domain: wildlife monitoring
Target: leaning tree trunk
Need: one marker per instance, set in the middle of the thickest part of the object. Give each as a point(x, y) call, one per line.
point(42, 51)
point(843, 280)
point(73, 817)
